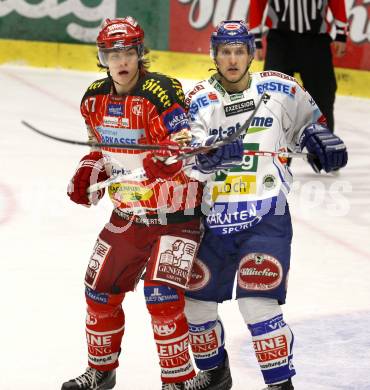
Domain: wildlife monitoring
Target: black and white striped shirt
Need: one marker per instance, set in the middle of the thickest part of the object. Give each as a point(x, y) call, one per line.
point(301, 16)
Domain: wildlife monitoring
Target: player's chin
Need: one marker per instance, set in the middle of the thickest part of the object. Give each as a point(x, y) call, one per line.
point(232, 76)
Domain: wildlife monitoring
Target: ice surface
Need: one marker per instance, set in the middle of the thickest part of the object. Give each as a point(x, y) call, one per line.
point(46, 241)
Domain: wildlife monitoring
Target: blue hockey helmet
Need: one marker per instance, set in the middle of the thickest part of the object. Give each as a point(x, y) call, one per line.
point(232, 32)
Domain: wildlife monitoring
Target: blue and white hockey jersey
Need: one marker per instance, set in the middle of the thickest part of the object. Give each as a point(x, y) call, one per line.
point(240, 197)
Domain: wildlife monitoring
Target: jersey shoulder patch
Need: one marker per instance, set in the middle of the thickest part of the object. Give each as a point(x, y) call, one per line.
point(162, 91)
point(274, 82)
point(198, 87)
point(98, 87)
point(274, 73)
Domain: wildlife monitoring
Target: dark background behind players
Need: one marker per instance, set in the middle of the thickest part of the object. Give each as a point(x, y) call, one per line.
point(298, 41)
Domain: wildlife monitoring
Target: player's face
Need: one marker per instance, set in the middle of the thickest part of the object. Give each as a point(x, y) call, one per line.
point(123, 66)
point(232, 61)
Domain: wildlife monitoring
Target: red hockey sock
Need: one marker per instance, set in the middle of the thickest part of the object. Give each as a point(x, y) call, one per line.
point(171, 334)
point(105, 324)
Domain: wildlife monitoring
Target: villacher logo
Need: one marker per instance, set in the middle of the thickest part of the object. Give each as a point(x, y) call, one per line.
point(259, 271)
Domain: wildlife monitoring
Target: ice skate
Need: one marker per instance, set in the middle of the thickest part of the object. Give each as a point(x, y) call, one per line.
point(92, 379)
point(281, 386)
point(218, 378)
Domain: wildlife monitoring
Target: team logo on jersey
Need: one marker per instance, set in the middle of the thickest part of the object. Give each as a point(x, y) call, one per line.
point(275, 86)
point(269, 182)
point(237, 108)
point(200, 276)
point(137, 109)
point(115, 109)
point(259, 272)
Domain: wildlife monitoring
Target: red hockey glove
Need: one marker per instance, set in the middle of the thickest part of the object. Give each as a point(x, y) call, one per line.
point(90, 170)
point(155, 166)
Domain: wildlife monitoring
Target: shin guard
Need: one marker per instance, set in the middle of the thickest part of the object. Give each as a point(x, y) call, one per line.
point(207, 344)
point(166, 307)
point(105, 322)
point(207, 336)
point(273, 345)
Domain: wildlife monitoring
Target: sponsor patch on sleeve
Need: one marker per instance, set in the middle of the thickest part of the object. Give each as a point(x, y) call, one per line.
point(176, 120)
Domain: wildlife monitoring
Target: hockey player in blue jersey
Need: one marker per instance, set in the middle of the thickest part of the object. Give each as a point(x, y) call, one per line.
point(248, 229)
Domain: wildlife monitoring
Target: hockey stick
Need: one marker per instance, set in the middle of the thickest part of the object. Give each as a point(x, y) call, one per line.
point(137, 173)
point(188, 152)
point(183, 156)
point(224, 141)
point(262, 153)
point(100, 144)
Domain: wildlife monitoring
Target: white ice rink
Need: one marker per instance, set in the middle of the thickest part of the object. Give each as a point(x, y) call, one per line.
point(46, 241)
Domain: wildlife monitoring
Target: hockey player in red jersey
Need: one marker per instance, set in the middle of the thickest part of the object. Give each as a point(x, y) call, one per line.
point(155, 221)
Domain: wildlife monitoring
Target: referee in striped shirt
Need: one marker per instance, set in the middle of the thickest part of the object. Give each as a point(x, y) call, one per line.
point(298, 41)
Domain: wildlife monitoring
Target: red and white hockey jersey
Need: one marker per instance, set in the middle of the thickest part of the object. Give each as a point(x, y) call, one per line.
point(149, 114)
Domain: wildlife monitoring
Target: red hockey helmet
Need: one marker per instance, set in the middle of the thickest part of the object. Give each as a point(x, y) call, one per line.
point(119, 34)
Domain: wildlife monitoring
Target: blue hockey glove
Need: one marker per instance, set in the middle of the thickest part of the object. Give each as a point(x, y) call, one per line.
point(329, 152)
point(226, 156)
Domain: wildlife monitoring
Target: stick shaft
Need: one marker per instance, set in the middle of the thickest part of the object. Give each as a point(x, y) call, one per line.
point(99, 144)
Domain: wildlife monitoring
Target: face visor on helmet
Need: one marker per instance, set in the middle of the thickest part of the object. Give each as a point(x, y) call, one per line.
point(232, 32)
point(119, 34)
